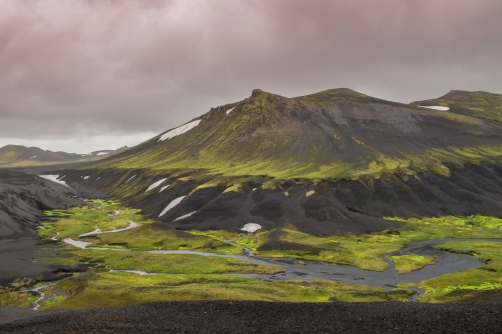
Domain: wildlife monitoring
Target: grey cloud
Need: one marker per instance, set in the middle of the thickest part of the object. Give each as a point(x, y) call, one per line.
point(117, 68)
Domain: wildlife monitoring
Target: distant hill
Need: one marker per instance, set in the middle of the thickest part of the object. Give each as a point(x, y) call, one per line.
point(22, 156)
point(477, 104)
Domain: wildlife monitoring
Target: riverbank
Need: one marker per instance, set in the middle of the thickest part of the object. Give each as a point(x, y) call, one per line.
point(262, 317)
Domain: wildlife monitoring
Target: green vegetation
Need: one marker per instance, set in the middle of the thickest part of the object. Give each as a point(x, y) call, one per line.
point(148, 238)
point(97, 214)
point(397, 295)
point(158, 263)
point(118, 289)
point(476, 104)
point(363, 251)
point(407, 263)
point(464, 285)
point(173, 277)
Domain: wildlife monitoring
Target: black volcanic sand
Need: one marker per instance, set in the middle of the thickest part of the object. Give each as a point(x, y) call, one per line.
point(263, 317)
point(23, 197)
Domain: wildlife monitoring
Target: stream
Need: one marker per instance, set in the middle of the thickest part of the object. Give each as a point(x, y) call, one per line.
point(447, 262)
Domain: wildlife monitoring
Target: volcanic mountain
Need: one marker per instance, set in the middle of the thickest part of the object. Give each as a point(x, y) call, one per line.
point(22, 156)
point(332, 162)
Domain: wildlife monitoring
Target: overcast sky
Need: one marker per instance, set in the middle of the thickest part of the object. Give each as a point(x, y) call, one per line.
point(83, 75)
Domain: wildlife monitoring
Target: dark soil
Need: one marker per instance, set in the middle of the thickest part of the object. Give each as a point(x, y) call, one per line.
point(262, 317)
point(23, 197)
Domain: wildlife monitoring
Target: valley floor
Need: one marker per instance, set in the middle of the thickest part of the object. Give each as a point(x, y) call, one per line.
point(113, 257)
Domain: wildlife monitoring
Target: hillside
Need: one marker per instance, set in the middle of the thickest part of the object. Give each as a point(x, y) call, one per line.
point(477, 104)
point(22, 156)
point(332, 162)
point(329, 135)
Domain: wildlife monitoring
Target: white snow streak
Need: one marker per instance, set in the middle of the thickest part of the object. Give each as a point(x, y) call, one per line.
point(172, 205)
point(86, 177)
point(229, 110)
point(129, 179)
point(155, 185)
point(54, 178)
point(436, 108)
point(184, 216)
point(33, 156)
point(164, 188)
point(102, 153)
point(179, 131)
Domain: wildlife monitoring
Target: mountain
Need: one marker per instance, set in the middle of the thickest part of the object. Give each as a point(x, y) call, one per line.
point(22, 156)
point(332, 162)
point(477, 104)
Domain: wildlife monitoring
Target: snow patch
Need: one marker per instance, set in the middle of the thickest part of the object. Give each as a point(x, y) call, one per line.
point(139, 272)
point(86, 177)
point(34, 156)
point(184, 216)
point(76, 243)
point(254, 189)
point(155, 185)
point(172, 205)
point(102, 153)
point(251, 227)
point(229, 110)
point(179, 131)
point(54, 178)
point(441, 108)
point(129, 179)
point(164, 188)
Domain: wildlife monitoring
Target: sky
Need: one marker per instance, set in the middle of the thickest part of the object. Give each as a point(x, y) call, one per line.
point(81, 76)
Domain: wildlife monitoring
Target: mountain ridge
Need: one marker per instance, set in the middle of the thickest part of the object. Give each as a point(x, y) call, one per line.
point(23, 156)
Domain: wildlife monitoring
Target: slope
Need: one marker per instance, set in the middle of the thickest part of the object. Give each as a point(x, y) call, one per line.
point(331, 162)
point(477, 104)
point(22, 156)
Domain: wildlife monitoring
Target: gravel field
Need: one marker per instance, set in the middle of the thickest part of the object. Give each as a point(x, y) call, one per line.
point(263, 317)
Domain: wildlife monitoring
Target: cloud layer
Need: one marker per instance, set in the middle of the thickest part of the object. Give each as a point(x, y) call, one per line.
point(84, 75)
